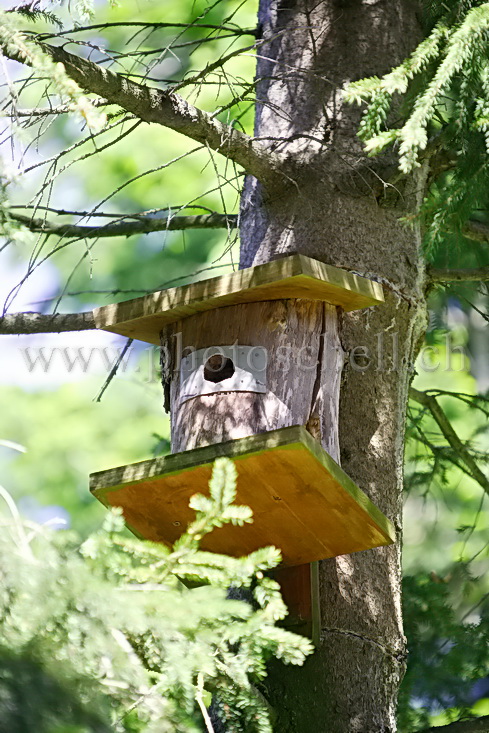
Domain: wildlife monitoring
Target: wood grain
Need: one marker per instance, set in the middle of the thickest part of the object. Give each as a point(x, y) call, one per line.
point(303, 503)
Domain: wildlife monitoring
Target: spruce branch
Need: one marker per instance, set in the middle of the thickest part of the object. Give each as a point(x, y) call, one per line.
point(171, 649)
point(444, 116)
point(469, 274)
point(453, 50)
point(473, 725)
point(124, 228)
point(477, 230)
point(430, 402)
point(165, 108)
point(14, 324)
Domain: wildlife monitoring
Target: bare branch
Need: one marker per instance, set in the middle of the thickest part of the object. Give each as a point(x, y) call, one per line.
point(477, 230)
point(211, 67)
point(145, 24)
point(474, 725)
point(472, 274)
point(431, 403)
point(133, 291)
point(114, 369)
point(114, 214)
point(47, 111)
point(124, 228)
point(164, 108)
point(29, 323)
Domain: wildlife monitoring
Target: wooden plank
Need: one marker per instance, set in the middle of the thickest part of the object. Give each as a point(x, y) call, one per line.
point(300, 590)
point(302, 501)
point(295, 276)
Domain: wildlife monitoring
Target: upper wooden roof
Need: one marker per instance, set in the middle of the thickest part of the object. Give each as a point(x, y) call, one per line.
point(295, 276)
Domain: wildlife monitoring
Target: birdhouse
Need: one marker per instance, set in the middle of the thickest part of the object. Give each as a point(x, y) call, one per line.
point(251, 365)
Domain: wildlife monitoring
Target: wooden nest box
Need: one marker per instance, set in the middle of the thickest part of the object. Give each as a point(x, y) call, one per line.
point(251, 366)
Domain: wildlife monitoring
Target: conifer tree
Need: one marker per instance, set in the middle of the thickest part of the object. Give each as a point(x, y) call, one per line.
point(383, 195)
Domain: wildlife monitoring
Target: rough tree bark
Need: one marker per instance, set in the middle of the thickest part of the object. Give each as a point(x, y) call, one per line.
point(337, 208)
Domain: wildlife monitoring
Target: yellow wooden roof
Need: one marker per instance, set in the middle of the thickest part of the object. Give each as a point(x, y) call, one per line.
point(295, 276)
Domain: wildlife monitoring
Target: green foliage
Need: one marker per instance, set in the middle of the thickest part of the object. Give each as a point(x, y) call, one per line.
point(448, 651)
point(446, 554)
point(103, 635)
point(83, 436)
point(34, 11)
point(431, 457)
point(444, 86)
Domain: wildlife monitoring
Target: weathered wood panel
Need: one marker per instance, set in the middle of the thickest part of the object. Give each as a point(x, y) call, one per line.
point(301, 341)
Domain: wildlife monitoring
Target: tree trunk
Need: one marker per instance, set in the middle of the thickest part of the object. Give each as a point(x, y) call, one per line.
point(336, 207)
